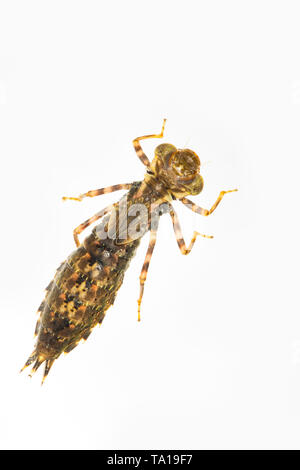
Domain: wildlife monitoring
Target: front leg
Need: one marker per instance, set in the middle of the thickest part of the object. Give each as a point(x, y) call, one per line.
point(137, 146)
point(178, 234)
point(202, 211)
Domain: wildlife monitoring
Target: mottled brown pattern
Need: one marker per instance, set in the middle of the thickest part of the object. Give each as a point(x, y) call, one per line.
point(84, 287)
point(86, 284)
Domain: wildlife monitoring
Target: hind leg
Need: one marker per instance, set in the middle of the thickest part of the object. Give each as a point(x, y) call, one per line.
point(77, 231)
point(145, 268)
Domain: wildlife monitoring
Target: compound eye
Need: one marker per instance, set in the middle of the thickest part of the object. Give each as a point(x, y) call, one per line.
point(185, 163)
point(165, 152)
point(196, 185)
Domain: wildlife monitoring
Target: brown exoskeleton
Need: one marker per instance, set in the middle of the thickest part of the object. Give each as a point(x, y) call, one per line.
point(86, 284)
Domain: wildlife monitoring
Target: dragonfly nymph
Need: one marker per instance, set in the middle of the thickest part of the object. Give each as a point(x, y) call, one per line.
point(86, 284)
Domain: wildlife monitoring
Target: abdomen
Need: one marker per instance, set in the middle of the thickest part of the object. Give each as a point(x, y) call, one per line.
point(84, 287)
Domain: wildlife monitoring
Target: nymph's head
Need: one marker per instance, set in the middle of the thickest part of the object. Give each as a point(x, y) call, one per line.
point(178, 170)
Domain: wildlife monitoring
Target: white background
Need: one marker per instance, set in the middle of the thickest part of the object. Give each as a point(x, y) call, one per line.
point(215, 362)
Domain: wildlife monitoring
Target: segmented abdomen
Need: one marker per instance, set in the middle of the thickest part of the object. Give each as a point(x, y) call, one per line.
point(83, 288)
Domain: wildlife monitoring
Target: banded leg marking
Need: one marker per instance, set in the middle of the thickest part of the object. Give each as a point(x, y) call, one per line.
point(99, 192)
point(202, 211)
point(90, 221)
point(178, 233)
point(137, 147)
point(143, 275)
